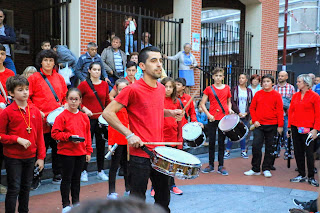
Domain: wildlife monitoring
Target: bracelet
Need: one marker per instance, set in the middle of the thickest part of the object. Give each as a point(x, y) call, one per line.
point(129, 136)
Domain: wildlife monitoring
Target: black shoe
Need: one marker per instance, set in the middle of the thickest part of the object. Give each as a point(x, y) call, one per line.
point(56, 179)
point(315, 170)
point(302, 205)
point(313, 182)
point(121, 172)
point(36, 183)
point(273, 168)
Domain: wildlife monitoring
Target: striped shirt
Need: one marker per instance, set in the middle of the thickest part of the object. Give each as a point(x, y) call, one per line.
point(285, 91)
point(118, 61)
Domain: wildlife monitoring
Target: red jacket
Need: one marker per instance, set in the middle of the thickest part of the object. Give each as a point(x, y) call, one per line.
point(305, 112)
point(113, 135)
point(13, 126)
point(267, 108)
point(68, 124)
point(41, 96)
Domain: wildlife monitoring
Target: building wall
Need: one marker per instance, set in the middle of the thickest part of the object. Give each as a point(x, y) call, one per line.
point(88, 23)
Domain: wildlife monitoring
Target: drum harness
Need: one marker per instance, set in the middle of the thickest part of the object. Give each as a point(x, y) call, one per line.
point(94, 91)
point(215, 95)
point(50, 86)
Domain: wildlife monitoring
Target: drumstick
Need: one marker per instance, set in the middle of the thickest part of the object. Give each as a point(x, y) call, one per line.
point(97, 113)
point(162, 143)
point(185, 107)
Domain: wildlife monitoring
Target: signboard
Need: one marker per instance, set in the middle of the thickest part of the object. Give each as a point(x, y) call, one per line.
point(196, 41)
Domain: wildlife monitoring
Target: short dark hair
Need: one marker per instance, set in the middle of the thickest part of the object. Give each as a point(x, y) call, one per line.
point(121, 80)
point(131, 64)
point(116, 38)
point(217, 69)
point(47, 54)
point(181, 81)
point(16, 81)
point(268, 76)
point(255, 76)
point(144, 53)
point(42, 43)
point(2, 48)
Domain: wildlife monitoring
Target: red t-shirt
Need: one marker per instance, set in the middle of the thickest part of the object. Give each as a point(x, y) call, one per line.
point(267, 108)
point(113, 135)
point(170, 129)
point(145, 107)
point(68, 124)
point(13, 126)
point(4, 76)
point(190, 110)
point(223, 95)
point(90, 100)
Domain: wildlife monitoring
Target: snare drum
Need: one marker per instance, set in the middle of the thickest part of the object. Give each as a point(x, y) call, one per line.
point(175, 163)
point(193, 135)
point(102, 122)
point(52, 115)
point(233, 127)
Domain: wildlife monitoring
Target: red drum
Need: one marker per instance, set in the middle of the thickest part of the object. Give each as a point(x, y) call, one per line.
point(233, 127)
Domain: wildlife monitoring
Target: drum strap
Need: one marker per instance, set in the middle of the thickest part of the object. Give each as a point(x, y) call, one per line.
point(215, 95)
point(50, 86)
point(185, 114)
point(94, 91)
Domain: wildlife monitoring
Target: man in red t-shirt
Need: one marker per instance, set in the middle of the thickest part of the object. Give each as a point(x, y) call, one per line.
point(144, 101)
point(215, 114)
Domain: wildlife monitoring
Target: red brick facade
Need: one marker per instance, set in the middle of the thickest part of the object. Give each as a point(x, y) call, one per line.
point(88, 23)
point(269, 34)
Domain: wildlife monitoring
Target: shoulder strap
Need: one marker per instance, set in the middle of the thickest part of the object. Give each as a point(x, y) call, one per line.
point(215, 95)
point(50, 86)
point(94, 91)
point(185, 114)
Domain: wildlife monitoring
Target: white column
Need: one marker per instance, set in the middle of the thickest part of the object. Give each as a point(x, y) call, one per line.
point(74, 27)
point(182, 9)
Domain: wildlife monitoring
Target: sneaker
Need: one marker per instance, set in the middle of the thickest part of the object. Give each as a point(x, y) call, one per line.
point(66, 209)
point(222, 170)
point(226, 155)
point(267, 174)
point(126, 194)
point(112, 196)
point(56, 179)
point(313, 182)
point(286, 154)
point(251, 172)
point(176, 190)
point(84, 176)
point(315, 170)
point(244, 155)
point(3, 189)
point(36, 183)
point(208, 169)
point(302, 205)
point(152, 193)
point(298, 179)
point(102, 176)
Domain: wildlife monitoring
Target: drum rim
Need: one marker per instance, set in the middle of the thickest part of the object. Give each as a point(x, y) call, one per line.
point(107, 124)
point(245, 134)
point(193, 139)
point(231, 128)
point(57, 109)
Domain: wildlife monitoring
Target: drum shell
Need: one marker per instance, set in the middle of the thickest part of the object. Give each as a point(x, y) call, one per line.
point(237, 133)
point(197, 142)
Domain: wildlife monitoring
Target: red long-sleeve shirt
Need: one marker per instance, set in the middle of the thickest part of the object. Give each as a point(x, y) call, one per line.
point(4, 76)
point(68, 124)
point(41, 96)
point(90, 100)
point(171, 129)
point(113, 135)
point(13, 126)
point(190, 110)
point(267, 108)
point(305, 112)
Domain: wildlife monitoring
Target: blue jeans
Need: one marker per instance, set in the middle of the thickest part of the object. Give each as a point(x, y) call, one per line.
point(129, 41)
point(242, 142)
point(8, 63)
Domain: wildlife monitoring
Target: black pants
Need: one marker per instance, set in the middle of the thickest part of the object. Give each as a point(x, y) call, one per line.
point(120, 154)
point(1, 159)
point(212, 128)
point(301, 151)
point(140, 171)
point(71, 173)
point(19, 178)
point(264, 133)
point(100, 144)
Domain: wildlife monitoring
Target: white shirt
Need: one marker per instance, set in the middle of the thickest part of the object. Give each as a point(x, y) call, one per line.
point(243, 95)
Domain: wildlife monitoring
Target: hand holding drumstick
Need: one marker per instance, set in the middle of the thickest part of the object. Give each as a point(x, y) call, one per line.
point(211, 118)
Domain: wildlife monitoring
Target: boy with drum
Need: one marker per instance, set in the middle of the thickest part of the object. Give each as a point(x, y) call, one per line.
point(219, 96)
point(266, 110)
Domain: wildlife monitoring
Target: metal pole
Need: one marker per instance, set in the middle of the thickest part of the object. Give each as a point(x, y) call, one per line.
point(284, 65)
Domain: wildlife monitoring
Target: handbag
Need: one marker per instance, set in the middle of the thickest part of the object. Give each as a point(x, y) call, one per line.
point(66, 73)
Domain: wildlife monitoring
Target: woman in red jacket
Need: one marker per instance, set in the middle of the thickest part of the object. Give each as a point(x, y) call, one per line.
point(92, 107)
point(71, 130)
point(304, 119)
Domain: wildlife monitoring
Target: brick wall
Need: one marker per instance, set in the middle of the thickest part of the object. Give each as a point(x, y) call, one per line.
point(88, 23)
point(196, 28)
point(269, 34)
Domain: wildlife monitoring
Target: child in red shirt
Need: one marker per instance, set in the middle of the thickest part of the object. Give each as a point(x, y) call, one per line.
point(22, 138)
point(4, 72)
point(73, 153)
point(266, 111)
point(120, 154)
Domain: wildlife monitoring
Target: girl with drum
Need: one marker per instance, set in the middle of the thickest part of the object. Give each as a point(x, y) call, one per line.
point(241, 100)
point(93, 107)
point(71, 130)
point(120, 154)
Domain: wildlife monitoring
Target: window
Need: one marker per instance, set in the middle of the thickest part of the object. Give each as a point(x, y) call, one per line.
point(281, 24)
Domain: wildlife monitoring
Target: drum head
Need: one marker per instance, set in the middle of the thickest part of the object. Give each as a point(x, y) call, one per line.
point(177, 155)
point(191, 131)
point(102, 121)
point(228, 122)
point(52, 115)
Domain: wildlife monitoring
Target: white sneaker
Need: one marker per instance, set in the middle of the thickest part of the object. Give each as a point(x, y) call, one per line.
point(84, 176)
point(112, 196)
point(102, 176)
point(251, 172)
point(66, 209)
point(267, 174)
